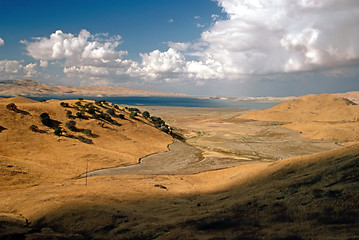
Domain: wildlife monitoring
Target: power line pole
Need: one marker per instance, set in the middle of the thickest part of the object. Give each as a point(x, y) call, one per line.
point(87, 168)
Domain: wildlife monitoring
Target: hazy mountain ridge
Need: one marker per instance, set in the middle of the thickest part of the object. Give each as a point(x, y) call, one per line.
point(23, 87)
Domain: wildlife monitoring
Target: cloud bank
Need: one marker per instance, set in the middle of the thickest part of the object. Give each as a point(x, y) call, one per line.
point(258, 37)
point(14, 68)
point(2, 42)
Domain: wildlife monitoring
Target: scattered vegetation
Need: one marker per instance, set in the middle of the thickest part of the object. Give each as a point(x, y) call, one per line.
point(71, 125)
point(58, 132)
point(69, 114)
point(80, 114)
point(111, 112)
point(85, 140)
point(133, 115)
point(33, 128)
point(11, 107)
point(146, 114)
point(91, 110)
point(2, 129)
point(87, 132)
point(64, 104)
point(45, 119)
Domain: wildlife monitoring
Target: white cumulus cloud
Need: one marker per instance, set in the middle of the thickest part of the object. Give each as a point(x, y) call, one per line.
point(2, 42)
point(84, 55)
point(13, 68)
point(283, 36)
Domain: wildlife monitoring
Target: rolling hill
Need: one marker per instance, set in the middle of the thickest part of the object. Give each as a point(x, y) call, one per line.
point(31, 88)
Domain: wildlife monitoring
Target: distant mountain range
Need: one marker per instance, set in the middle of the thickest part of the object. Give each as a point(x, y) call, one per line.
point(31, 88)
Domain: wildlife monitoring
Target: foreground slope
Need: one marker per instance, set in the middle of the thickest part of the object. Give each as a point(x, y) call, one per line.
point(309, 197)
point(324, 117)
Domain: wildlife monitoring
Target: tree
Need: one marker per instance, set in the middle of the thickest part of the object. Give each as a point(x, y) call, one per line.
point(12, 107)
point(91, 110)
point(111, 111)
point(45, 119)
point(87, 132)
point(146, 114)
point(133, 115)
point(33, 128)
point(71, 125)
point(80, 115)
point(58, 131)
point(64, 104)
point(69, 114)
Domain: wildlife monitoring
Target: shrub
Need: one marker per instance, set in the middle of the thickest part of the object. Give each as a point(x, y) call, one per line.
point(45, 119)
point(64, 104)
point(133, 115)
point(12, 107)
point(69, 114)
point(98, 102)
point(78, 103)
point(58, 131)
point(80, 99)
point(106, 117)
point(33, 128)
point(71, 125)
point(87, 132)
point(111, 111)
point(80, 115)
point(116, 106)
point(91, 110)
point(85, 140)
point(44, 115)
point(121, 116)
point(132, 109)
point(146, 114)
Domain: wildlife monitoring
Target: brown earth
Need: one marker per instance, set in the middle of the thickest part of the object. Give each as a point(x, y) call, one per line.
point(302, 197)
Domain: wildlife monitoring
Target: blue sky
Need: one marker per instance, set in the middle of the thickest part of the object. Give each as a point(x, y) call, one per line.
point(198, 47)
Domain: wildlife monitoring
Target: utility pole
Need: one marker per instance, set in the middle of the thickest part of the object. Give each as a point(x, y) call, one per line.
point(87, 168)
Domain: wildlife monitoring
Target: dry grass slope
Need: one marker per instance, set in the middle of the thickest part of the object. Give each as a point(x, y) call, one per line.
point(324, 117)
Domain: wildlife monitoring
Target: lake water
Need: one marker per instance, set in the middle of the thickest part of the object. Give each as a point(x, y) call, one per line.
point(175, 102)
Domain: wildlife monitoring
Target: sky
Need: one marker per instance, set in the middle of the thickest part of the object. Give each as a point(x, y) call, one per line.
point(197, 47)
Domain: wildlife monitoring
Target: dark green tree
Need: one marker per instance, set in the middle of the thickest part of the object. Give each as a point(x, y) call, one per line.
point(146, 114)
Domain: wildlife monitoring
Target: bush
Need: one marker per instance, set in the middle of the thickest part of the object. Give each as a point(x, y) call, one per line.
point(133, 115)
point(69, 114)
point(106, 117)
point(111, 112)
point(44, 115)
point(71, 125)
point(121, 116)
point(45, 119)
point(85, 140)
point(146, 114)
point(91, 110)
point(132, 109)
point(12, 107)
point(80, 115)
point(58, 132)
point(78, 103)
point(87, 132)
point(80, 99)
point(33, 128)
point(64, 104)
